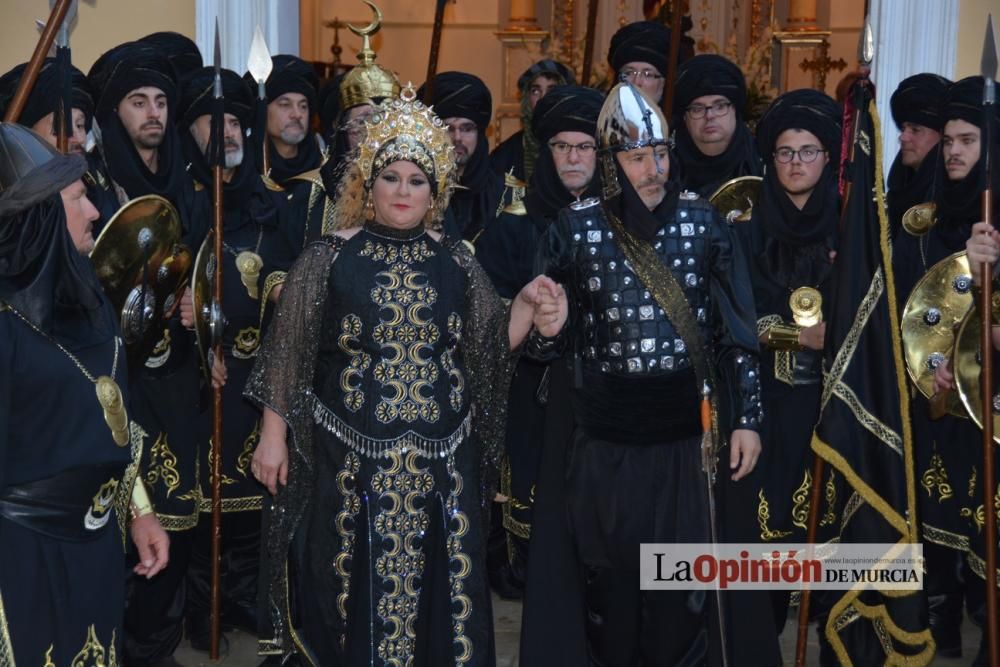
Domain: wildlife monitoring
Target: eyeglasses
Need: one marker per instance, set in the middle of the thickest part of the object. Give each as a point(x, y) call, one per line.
point(806, 154)
point(562, 148)
point(462, 128)
point(720, 108)
point(645, 74)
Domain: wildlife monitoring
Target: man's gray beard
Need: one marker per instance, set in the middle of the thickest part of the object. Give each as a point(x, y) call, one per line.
point(234, 159)
point(293, 137)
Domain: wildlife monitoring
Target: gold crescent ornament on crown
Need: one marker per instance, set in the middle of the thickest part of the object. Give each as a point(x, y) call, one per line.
point(372, 27)
point(807, 306)
point(249, 264)
point(109, 395)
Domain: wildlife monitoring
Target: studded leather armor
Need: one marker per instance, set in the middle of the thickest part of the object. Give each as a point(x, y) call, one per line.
point(617, 326)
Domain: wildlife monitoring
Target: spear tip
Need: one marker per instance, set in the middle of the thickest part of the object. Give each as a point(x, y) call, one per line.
point(866, 43)
point(989, 60)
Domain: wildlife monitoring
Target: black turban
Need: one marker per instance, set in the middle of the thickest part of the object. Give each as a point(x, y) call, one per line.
point(197, 94)
point(920, 99)
point(709, 74)
point(290, 74)
point(567, 109)
point(964, 101)
point(181, 51)
point(547, 66)
point(44, 97)
point(127, 67)
point(642, 41)
point(802, 109)
point(460, 95)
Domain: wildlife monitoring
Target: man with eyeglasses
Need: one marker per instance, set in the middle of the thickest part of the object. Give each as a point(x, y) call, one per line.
point(639, 53)
point(660, 297)
point(789, 243)
point(948, 449)
point(712, 143)
point(310, 194)
point(465, 105)
point(916, 108)
point(516, 154)
point(564, 127)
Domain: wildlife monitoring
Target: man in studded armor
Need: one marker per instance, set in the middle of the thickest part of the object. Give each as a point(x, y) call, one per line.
point(661, 311)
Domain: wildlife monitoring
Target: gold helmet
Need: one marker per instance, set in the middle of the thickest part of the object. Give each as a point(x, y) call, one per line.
point(402, 128)
point(367, 81)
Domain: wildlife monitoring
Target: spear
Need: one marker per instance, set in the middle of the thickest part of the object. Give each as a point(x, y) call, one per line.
point(20, 98)
point(676, 17)
point(217, 156)
point(259, 64)
point(64, 116)
point(588, 49)
point(989, 71)
point(432, 59)
point(866, 54)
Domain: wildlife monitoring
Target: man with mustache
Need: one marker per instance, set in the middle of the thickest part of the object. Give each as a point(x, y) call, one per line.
point(346, 104)
point(465, 105)
point(138, 152)
point(563, 126)
point(659, 291)
point(44, 101)
point(250, 228)
point(712, 141)
point(287, 138)
point(638, 54)
point(948, 452)
point(519, 151)
point(916, 109)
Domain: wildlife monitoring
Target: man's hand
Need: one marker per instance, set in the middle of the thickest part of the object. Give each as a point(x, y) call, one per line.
point(982, 246)
point(218, 366)
point(187, 308)
point(551, 309)
point(813, 337)
point(744, 450)
point(152, 543)
point(944, 379)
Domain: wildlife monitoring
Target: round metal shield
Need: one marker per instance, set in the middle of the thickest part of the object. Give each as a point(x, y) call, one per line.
point(143, 268)
point(935, 309)
point(735, 199)
point(208, 319)
point(968, 368)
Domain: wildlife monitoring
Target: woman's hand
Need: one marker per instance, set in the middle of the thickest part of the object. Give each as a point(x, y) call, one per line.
point(270, 459)
point(551, 310)
point(527, 302)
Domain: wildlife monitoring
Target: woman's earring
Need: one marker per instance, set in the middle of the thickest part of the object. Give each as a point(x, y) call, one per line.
point(369, 207)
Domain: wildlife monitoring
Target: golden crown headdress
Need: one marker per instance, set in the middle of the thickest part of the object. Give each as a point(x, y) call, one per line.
point(367, 80)
point(405, 129)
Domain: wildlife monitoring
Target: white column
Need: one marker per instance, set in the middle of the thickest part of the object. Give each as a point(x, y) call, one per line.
point(910, 37)
point(278, 19)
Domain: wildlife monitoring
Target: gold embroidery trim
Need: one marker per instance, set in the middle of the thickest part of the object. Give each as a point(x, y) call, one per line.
point(6, 647)
point(162, 465)
point(349, 509)
point(244, 504)
point(763, 516)
point(936, 477)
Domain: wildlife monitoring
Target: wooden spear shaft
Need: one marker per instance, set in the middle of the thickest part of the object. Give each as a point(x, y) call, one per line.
point(588, 48)
point(676, 16)
point(989, 471)
point(432, 58)
point(217, 429)
point(20, 98)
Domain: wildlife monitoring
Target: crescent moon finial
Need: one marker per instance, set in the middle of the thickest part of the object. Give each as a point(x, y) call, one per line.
point(367, 56)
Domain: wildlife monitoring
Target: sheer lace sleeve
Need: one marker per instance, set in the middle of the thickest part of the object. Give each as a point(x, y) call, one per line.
point(490, 364)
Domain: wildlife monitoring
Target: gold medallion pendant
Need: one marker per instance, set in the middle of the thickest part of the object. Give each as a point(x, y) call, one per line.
point(109, 394)
point(249, 264)
point(807, 306)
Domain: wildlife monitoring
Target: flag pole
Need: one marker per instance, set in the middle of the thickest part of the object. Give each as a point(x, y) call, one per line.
point(865, 56)
point(588, 47)
point(676, 17)
point(435, 52)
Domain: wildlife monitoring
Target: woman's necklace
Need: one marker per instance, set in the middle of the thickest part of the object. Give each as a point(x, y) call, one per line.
point(109, 394)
